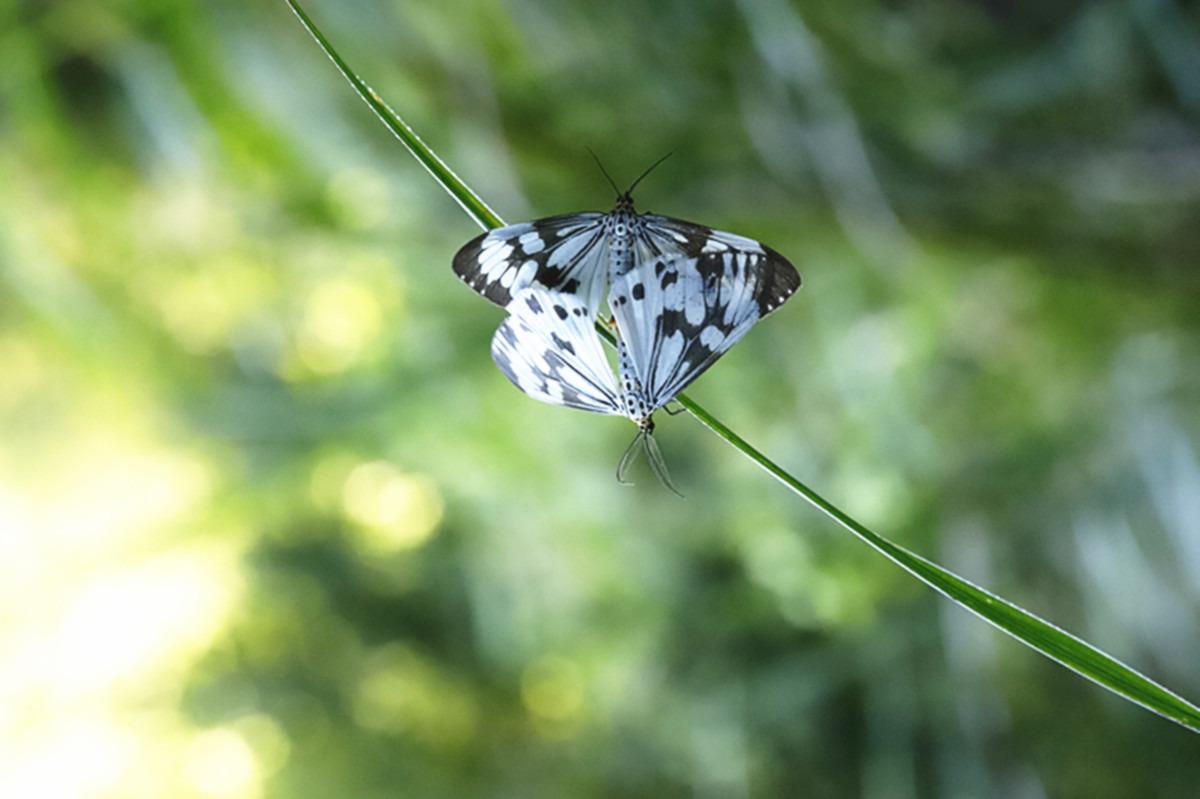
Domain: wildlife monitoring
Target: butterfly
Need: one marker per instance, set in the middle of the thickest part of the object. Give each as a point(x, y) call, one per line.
point(680, 295)
point(581, 253)
point(674, 318)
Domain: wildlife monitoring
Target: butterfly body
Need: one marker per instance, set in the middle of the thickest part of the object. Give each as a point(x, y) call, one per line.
point(620, 228)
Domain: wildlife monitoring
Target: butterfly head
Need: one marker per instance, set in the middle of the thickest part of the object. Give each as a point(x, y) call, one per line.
point(624, 204)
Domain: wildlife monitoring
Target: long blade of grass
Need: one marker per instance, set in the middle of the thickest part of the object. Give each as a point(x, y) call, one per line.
point(1036, 633)
point(475, 207)
point(1053, 642)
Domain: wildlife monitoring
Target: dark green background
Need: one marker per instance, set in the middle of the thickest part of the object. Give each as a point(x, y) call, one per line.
point(273, 524)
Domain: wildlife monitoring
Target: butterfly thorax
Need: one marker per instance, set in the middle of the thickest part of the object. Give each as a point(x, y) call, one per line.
point(621, 226)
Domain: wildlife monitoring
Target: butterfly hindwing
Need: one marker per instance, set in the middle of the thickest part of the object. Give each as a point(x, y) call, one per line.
point(548, 348)
point(663, 237)
point(565, 253)
point(678, 315)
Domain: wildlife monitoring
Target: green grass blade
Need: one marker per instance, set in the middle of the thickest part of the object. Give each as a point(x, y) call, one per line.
point(469, 200)
point(1056, 644)
point(1038, 634)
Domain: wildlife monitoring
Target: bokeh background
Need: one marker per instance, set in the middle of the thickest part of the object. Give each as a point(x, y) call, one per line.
point(272, 524)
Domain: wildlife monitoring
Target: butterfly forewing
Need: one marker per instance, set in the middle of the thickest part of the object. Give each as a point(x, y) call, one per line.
point(548, 348)
point(565, 253)
point(678, 315)
point(663, 237)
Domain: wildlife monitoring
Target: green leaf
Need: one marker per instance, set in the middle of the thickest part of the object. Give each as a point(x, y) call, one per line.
point(1038, 634)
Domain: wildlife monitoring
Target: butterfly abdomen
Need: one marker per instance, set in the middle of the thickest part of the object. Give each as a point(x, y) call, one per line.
point(633, 395)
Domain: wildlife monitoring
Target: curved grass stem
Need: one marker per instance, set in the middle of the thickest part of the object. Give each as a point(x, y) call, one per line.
point(1036, 633)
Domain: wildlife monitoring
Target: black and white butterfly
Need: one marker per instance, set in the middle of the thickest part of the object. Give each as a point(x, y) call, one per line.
point(680, 294)
point(584, 252)
point(674, 317)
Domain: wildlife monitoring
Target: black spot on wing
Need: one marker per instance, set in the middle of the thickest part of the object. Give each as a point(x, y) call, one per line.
point(562, 343)
point(638, 291)
point(711, 268)
point(561, 311)
point(502, 360)
point(549, 275)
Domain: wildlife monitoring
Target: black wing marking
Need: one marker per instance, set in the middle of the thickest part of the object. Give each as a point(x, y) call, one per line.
point(548, 348)
point(663, 237)
point(678, 315)
point(566, 253)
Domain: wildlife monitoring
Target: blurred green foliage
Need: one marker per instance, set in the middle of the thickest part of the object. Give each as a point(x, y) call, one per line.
point(273, 525)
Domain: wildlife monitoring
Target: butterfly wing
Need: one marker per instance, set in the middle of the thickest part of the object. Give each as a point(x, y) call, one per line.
point(548, 348)
point(678, 315)
point(775, 278)
point(565, 253)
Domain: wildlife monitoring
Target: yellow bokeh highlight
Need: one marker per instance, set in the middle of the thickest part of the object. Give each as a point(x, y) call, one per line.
point(552, 689)
point(113, 489)
point(268, 740)
point(203, 308)
point(219, 763)
point(129, 622)
point(342, 318)
point(185, 215)
point(401, 693)
point(394, 510)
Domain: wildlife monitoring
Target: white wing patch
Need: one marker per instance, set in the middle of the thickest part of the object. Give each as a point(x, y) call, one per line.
point(532, 242)
point(678, 316)
point(548, 348)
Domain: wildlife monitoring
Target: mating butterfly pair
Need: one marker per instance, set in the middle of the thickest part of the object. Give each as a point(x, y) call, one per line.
point(680, 295)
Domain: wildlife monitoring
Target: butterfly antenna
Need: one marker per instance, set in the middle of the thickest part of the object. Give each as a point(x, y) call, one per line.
point(648, 171)
point(657, 464)
point(627, 458)
point(611, 182)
